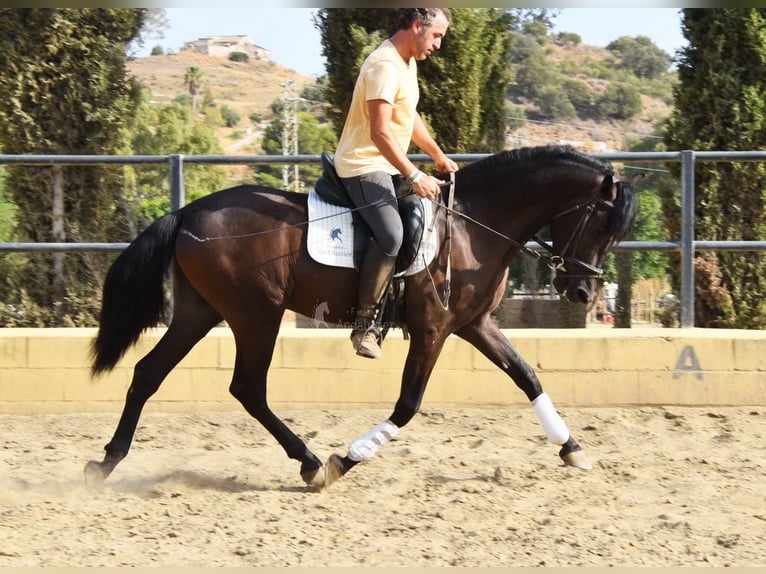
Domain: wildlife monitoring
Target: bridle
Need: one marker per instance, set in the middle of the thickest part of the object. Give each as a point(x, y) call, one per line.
point(570, 264)
point(566, 260)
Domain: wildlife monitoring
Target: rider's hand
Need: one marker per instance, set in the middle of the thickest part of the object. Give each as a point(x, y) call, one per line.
point(427, 186)
point(446, 165)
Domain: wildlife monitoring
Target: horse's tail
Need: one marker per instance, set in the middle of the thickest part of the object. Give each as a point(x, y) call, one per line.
point(133, 296)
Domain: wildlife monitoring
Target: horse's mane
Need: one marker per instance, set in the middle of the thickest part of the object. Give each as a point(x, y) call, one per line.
point(623, 213)
point(531, 156)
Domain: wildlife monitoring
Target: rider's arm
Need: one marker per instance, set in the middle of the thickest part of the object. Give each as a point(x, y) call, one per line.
point(381, 135)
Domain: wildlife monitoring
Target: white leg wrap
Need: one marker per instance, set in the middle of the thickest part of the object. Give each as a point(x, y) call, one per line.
point(365, 447)
point(554, 425)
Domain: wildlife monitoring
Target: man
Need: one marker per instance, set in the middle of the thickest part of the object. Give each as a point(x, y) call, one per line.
point(382, 121)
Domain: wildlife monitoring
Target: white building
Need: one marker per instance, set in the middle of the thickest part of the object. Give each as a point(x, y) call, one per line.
point(225, 45)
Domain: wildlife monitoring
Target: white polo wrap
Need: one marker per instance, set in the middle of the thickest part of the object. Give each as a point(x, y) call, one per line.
point(365, 447)
point(554, 425)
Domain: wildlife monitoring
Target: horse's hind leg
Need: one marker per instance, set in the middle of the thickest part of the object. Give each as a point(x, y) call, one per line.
point(487, 338)
point(184, 331)
point(248, 386)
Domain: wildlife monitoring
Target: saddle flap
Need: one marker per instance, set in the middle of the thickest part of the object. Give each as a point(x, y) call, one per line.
point(413, 216)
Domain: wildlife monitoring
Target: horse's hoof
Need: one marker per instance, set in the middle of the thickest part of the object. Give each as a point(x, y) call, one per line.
point(315, 478)
point(94, 475)
point(577, 459)
point(333, 469)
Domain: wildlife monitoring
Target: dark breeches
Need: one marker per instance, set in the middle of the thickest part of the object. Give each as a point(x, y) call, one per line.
point(376, 190)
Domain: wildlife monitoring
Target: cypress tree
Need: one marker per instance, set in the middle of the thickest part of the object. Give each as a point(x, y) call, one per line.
point(64, 89)
point(462, 86)
point(720, 105)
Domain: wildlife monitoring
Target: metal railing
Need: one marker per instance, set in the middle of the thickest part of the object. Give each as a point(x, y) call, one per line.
point(686, 244)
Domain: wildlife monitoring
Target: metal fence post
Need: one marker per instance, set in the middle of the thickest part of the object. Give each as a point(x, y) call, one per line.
point(177, 198)
point(687, 238)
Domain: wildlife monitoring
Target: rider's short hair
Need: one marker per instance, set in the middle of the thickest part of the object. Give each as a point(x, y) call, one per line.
point(426, 15)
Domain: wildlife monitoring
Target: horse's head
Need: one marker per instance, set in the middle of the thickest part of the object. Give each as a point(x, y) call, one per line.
point(583, 235)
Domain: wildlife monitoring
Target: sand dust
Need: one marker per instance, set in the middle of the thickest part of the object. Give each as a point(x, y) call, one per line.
point(466, 487)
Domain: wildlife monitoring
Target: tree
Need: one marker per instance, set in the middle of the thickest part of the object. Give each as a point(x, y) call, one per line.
point(720, 104)
point(64, 89)
point(347, 37)
point(462, 85)
point(619, 100)
point(192, 81)
point(168, 129)
point(313, 138)
point(641, 56)
point(463, 88)
point(7, 210)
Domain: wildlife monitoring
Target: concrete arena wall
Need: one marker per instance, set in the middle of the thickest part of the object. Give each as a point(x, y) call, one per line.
point(46, 370)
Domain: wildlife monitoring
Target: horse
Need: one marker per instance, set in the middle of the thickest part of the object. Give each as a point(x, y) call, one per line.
point(240, 255)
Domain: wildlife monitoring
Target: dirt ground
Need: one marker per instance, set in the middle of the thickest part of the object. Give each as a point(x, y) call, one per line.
point(466, 487)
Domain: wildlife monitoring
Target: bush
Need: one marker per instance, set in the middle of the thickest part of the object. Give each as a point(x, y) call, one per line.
point(641, 56)
point(239, 57)
point(183, 100)
point(158, 50)
point(554, 103)
point(564, 38)
point(515, 117)
point(619, 101)
point(580, 95)
point(230, 117)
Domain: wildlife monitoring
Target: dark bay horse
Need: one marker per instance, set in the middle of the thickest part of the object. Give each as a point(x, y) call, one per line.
point(240, 255)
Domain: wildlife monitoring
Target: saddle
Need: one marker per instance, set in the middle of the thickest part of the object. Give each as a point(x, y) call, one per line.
point(330, 189)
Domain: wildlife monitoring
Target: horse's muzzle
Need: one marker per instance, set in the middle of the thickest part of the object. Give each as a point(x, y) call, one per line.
point(574, 289)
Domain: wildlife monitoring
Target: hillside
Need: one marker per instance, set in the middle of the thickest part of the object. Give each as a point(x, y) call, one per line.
point(584, 134)
point(251, 87)
point(245, 87)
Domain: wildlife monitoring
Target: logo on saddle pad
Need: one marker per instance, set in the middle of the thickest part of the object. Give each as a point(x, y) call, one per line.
point(336, 234)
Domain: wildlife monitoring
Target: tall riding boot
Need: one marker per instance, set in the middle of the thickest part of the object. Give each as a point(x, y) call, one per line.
point(374, 276)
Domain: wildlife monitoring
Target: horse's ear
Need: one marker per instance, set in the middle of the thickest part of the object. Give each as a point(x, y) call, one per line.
point(636, 179)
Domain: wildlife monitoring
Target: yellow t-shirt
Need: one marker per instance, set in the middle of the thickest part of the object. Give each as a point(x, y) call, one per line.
point(384, 75)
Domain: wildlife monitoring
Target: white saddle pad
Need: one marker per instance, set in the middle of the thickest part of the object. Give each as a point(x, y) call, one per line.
point(331, 235)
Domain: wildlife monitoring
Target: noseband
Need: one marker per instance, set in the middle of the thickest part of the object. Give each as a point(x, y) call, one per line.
point(566, 260)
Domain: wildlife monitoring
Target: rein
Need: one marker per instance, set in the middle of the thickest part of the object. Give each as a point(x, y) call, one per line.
point(449, 211)
point(552, 259)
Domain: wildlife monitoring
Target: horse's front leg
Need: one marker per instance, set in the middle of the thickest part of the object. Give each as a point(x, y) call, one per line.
point(420, 362)
point(487, 338)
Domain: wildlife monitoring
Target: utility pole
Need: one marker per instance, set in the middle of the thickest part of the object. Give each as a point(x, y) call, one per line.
point(290, 135)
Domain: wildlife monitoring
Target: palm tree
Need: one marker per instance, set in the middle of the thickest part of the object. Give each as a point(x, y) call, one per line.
point(192, 80)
